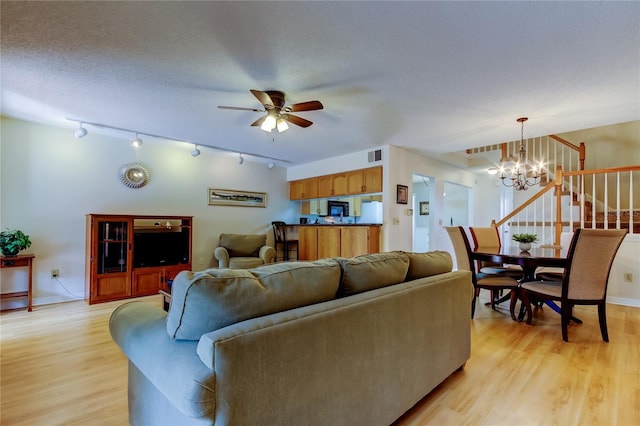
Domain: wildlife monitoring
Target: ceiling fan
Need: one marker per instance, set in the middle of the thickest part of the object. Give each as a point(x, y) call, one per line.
point(277, 113)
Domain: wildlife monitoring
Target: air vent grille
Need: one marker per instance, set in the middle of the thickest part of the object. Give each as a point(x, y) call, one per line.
point(374, 156)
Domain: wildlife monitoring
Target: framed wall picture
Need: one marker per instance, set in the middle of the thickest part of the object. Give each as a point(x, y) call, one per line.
point(230, 197)
point(402, 194)
point(424, 208)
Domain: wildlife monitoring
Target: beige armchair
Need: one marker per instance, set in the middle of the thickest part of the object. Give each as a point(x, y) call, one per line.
point(239, 251)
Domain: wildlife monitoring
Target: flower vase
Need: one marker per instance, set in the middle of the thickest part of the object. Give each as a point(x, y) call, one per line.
point(525, 246)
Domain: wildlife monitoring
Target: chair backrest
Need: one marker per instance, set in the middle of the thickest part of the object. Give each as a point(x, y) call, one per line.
point(461, 248)
point(591, 255)
point(487, 237)
point(279, 234)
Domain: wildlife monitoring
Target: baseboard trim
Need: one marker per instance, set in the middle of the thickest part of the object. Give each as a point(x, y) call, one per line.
point(624, 301)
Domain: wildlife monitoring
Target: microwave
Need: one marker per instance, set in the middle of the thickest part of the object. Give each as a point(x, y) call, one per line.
point(337, 208)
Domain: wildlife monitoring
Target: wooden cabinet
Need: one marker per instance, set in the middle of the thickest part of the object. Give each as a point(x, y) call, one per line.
point(332, 185)
point(327, 241)
point(129, 256)
point(364, 181)
point(361, 181)
point(308, 240)
point(303, 189)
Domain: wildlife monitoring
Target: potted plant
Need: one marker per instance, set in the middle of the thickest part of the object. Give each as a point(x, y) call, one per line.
point(12, 241)
point(525, 240)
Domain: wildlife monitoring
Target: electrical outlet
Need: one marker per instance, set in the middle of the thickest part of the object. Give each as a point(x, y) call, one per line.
point(628, 277)
point(55, 273)
point(395, 221)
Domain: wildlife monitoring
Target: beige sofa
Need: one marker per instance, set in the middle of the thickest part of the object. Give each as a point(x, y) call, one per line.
point(335, 342)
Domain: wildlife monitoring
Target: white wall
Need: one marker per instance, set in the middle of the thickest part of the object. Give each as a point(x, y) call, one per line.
point(50, 181)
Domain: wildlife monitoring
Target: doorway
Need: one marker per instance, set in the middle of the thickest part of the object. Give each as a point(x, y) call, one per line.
point(421, 204)
point(456, 205)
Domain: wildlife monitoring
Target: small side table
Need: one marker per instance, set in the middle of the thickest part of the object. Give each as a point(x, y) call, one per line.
point(166, 300)
point(21, 260)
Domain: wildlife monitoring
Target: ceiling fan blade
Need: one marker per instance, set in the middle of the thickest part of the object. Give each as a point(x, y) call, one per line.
point(240, 108)
point(259, 121)
point(264, 98)
point(305, 106)
point(298, 121)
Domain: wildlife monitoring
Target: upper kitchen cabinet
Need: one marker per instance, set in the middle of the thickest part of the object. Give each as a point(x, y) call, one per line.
point(332, 185)
point(303, 189)
point(365, 181)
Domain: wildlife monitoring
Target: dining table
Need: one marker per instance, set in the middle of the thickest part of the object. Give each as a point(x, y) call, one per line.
point(529, 260)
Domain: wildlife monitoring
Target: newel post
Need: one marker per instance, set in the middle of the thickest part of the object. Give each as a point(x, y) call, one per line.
point(558, 192)
point(583, 154)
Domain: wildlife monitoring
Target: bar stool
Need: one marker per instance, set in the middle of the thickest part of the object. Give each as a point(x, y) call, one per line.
point(280, 239)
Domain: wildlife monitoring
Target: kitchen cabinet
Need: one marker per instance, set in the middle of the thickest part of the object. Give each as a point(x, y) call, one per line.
point(303, 189)
point(308, 241)
point(355, 205)
point(364, 181)
point(332, 185)
point(328, 241)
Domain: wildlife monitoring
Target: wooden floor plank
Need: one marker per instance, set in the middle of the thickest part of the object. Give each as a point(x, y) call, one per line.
point(59, 366)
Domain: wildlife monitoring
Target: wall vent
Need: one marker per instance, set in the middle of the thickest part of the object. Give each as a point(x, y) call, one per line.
point(375, 155)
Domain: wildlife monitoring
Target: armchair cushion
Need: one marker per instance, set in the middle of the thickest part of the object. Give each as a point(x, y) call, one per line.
point(242, 245)
point(243, 251)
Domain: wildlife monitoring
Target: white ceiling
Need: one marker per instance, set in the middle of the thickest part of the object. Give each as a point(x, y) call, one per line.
point(437, 77)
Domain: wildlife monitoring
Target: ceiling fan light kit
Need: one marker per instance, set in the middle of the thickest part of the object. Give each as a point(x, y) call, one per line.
point(278, 115)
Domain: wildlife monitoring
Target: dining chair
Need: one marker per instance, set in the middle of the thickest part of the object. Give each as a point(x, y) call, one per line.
point(590, 255)
point(488, 237)
point(492, 282)
point(281, 241)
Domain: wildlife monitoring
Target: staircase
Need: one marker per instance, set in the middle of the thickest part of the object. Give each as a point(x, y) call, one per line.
point(569, 196)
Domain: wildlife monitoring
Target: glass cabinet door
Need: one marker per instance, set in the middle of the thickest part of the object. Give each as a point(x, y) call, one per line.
point(112, 246)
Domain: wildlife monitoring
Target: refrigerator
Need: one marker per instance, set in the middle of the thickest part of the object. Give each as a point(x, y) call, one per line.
point(371, 212)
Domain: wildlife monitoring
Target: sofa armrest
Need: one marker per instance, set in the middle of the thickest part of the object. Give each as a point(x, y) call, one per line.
point(172, 366)
point(267, 254)
point(222, 255)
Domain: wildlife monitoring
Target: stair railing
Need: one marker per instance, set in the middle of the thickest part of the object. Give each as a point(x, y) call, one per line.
point(592, 191)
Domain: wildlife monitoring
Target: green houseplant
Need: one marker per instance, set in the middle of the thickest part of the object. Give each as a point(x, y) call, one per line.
point(525, 240)
point(13, 241)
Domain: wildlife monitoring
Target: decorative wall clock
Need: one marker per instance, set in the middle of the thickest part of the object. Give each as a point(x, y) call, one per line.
point(134, 175)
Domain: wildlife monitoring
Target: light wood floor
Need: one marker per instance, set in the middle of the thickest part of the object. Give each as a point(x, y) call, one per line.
point(59, 366)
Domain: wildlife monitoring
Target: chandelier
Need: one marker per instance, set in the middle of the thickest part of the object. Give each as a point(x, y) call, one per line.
point(520, 174)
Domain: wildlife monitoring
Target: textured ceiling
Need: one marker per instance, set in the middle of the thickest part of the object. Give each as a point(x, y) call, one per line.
point(437, 77)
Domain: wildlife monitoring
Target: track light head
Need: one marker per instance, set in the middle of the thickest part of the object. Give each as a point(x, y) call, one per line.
point(240, 159)
point(137, 142)
point(195, 151)
point(80, 132)
point(271, 164)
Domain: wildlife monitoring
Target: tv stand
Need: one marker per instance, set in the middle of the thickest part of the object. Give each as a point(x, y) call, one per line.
point(134, 255)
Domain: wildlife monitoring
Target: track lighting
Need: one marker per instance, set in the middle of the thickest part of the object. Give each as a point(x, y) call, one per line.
point(271, 165)
point(80, 132)
point(137, 142)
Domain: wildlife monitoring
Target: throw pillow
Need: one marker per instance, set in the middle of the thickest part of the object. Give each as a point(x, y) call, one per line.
point(371, 271)
point(205, 301)
point(428, 264)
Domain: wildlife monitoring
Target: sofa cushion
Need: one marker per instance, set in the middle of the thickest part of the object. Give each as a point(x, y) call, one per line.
point(370, 271)
point(240, 245)
point(205, 301)
point(428, 264)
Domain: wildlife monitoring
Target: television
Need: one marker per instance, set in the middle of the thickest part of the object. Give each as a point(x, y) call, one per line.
point(159, 247)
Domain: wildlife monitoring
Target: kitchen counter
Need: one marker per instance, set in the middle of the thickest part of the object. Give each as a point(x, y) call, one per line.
point(328, 240)
point(334, 224)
